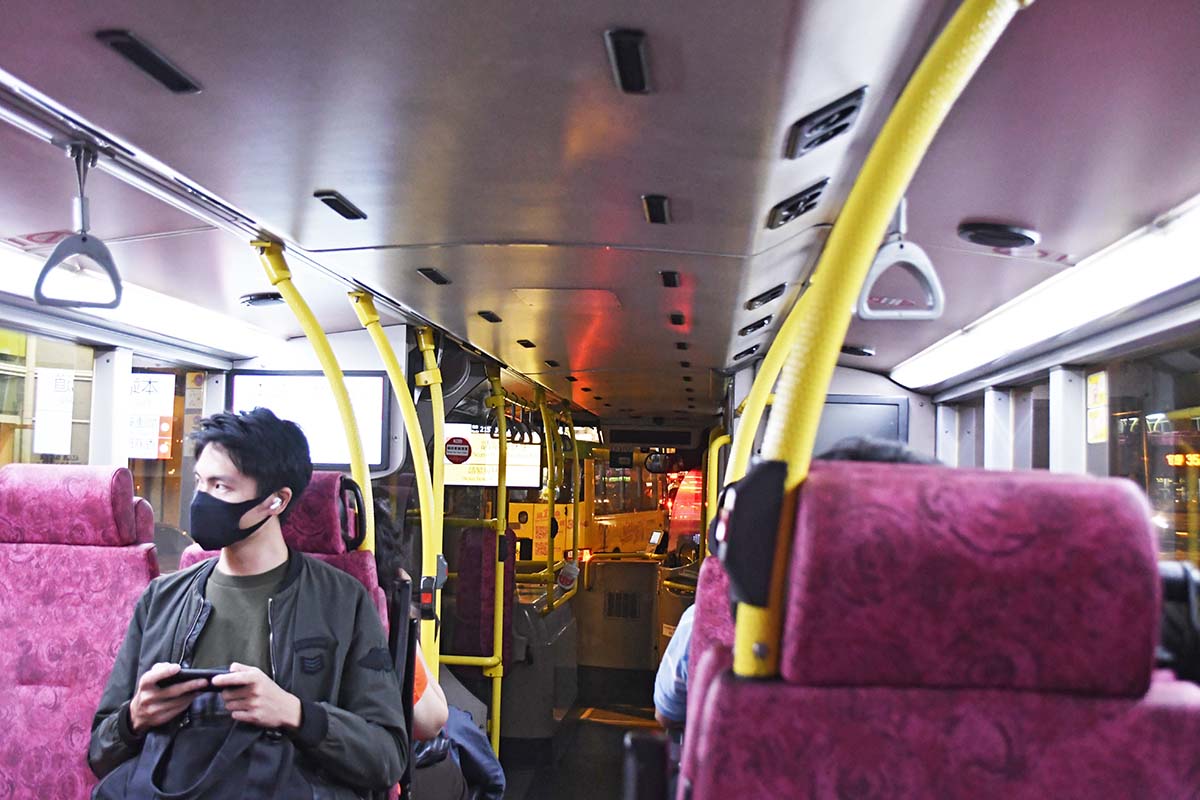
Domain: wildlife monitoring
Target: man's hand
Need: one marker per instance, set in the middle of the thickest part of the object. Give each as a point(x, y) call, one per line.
point(153, 706)
point(253, 697)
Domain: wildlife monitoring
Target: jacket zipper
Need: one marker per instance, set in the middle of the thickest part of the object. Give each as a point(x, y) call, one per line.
point(183, 650)
point(271, 639)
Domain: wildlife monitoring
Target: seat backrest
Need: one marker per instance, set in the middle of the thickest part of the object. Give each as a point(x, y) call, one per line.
point(319, 525)
point(475, 592)
point(71, 570)
point(143, 520)
point(958, 633)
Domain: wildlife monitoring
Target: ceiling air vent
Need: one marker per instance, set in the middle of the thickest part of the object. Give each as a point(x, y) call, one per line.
point(433, 275)
point(490, 316)
point(627, 53)
point(677, 318)
point(685, 364)
point(526, 344)
point(774, 293)
point(340, 204)
point(571, 378)
point(749, 351)
point(657, 208)
point(681, 345)
point(998, 234)
point(757, 325)
point(551, 363)
point(149, 61)
point(857, 350)
point(261, 299)
point(824, 124)
point(670, 279)
point(797, 205)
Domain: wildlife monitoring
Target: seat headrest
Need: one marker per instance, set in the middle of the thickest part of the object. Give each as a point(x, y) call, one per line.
point(318, 521)
point(61, 504)
point(143, 520)
point(916, 576)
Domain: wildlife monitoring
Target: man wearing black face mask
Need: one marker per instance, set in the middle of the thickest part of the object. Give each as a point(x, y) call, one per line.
point(309, 700)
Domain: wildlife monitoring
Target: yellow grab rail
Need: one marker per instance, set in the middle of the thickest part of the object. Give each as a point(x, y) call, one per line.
point(550, 442)
point(280, 276)
point(811, 337)
point(431, 543)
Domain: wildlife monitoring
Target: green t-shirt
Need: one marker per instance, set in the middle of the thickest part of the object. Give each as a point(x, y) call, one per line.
point(237, 629)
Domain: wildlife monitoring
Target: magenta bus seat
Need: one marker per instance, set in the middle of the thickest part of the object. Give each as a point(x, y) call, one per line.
point(143, 520)
point(957, 633)
point(317, 526)
point(475, 593)
point(71, 571)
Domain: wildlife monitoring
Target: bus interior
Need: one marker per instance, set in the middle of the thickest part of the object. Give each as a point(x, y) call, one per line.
point(581, 266)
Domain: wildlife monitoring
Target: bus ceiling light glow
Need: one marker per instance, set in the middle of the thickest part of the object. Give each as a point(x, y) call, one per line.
point(80, 248)
point(149, 61)
point(340, 204)
point(998, 234)
point(1162, 256)
point(256, 299)
point(627, 54)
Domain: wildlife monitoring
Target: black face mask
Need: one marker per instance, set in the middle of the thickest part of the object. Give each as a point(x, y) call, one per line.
point(215, 522)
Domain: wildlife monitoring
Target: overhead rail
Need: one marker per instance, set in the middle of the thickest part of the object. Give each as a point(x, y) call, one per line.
point(493, 665)
point(808, 344)
point(431, 532)
point(280, 276)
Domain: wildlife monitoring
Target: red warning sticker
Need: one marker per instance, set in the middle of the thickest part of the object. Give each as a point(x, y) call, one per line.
point(458, 450)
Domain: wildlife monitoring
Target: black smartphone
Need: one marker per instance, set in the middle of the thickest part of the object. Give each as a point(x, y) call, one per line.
point(185, 675)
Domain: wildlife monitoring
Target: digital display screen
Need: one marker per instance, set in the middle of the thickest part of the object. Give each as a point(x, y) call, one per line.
point(1183, 459)
point(478, 462)
point(656, 537)
point(306, 399)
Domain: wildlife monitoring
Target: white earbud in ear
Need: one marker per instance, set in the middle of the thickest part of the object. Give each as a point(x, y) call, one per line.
point(276, 503)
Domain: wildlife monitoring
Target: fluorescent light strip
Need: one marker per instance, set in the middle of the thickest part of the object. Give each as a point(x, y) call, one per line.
point(143, 308)
point(1157, 259)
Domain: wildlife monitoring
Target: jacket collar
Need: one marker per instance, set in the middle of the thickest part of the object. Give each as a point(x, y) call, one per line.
point(295, 564)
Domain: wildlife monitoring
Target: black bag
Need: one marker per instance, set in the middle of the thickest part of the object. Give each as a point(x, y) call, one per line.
point(248, 762)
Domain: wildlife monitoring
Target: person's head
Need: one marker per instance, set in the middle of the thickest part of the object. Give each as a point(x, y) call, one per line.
point(869, 448)
point(252, 455)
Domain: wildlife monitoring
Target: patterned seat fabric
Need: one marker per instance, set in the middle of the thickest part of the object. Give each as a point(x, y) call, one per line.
point(71, 570)
point(712, 630)
point(315, 527)
point(475, 593)
point(956, 633)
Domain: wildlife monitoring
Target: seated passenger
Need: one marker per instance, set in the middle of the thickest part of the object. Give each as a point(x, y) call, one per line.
point(310, 702)
point(670, 683)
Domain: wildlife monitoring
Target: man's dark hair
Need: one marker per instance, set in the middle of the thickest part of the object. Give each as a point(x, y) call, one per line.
point(262, 446)
point(868, 448)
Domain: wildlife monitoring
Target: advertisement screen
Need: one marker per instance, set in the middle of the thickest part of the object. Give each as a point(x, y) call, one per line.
point(473, 459)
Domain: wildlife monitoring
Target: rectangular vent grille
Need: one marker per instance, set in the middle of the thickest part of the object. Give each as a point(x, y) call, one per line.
point(797, 205)
point(627, 53)
point(824, 124)
point(149, 61)
point(621, 605)
point(340, 204)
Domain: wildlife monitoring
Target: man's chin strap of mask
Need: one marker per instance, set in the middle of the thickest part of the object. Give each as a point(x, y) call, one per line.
point(215, 522)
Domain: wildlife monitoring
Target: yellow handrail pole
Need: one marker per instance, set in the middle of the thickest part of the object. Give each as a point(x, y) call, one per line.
point(549, 437)
point(496, 672)
point(576, 485)
point(364, 307)
point(431, 540)
point(712, 484)
point(280, 276)
point(811, 345)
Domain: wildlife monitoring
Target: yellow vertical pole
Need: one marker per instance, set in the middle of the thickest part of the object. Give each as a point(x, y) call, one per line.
point(496, 673)
point(576, 482)
point(712, 484)
point(431, 545)
point(810, 339)
point(271, 256)
point(550, 438)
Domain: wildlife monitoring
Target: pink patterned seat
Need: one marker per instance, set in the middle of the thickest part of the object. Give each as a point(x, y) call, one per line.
point(955, 633)
point(712, 628)
point(475, 593)
point(315, 527)
point(71, 570)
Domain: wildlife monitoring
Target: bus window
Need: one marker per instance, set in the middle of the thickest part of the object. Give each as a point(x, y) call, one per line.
point(45, 400)
point(1153, 439)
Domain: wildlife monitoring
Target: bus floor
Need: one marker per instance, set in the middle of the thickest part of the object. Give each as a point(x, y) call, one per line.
point(589, 748)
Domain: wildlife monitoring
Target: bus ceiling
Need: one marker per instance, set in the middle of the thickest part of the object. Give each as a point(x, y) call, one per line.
point(593, 202)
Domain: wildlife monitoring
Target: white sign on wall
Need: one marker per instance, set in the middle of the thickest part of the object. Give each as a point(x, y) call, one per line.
point(481, 467)
point(151, 415)
point(53, 401)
